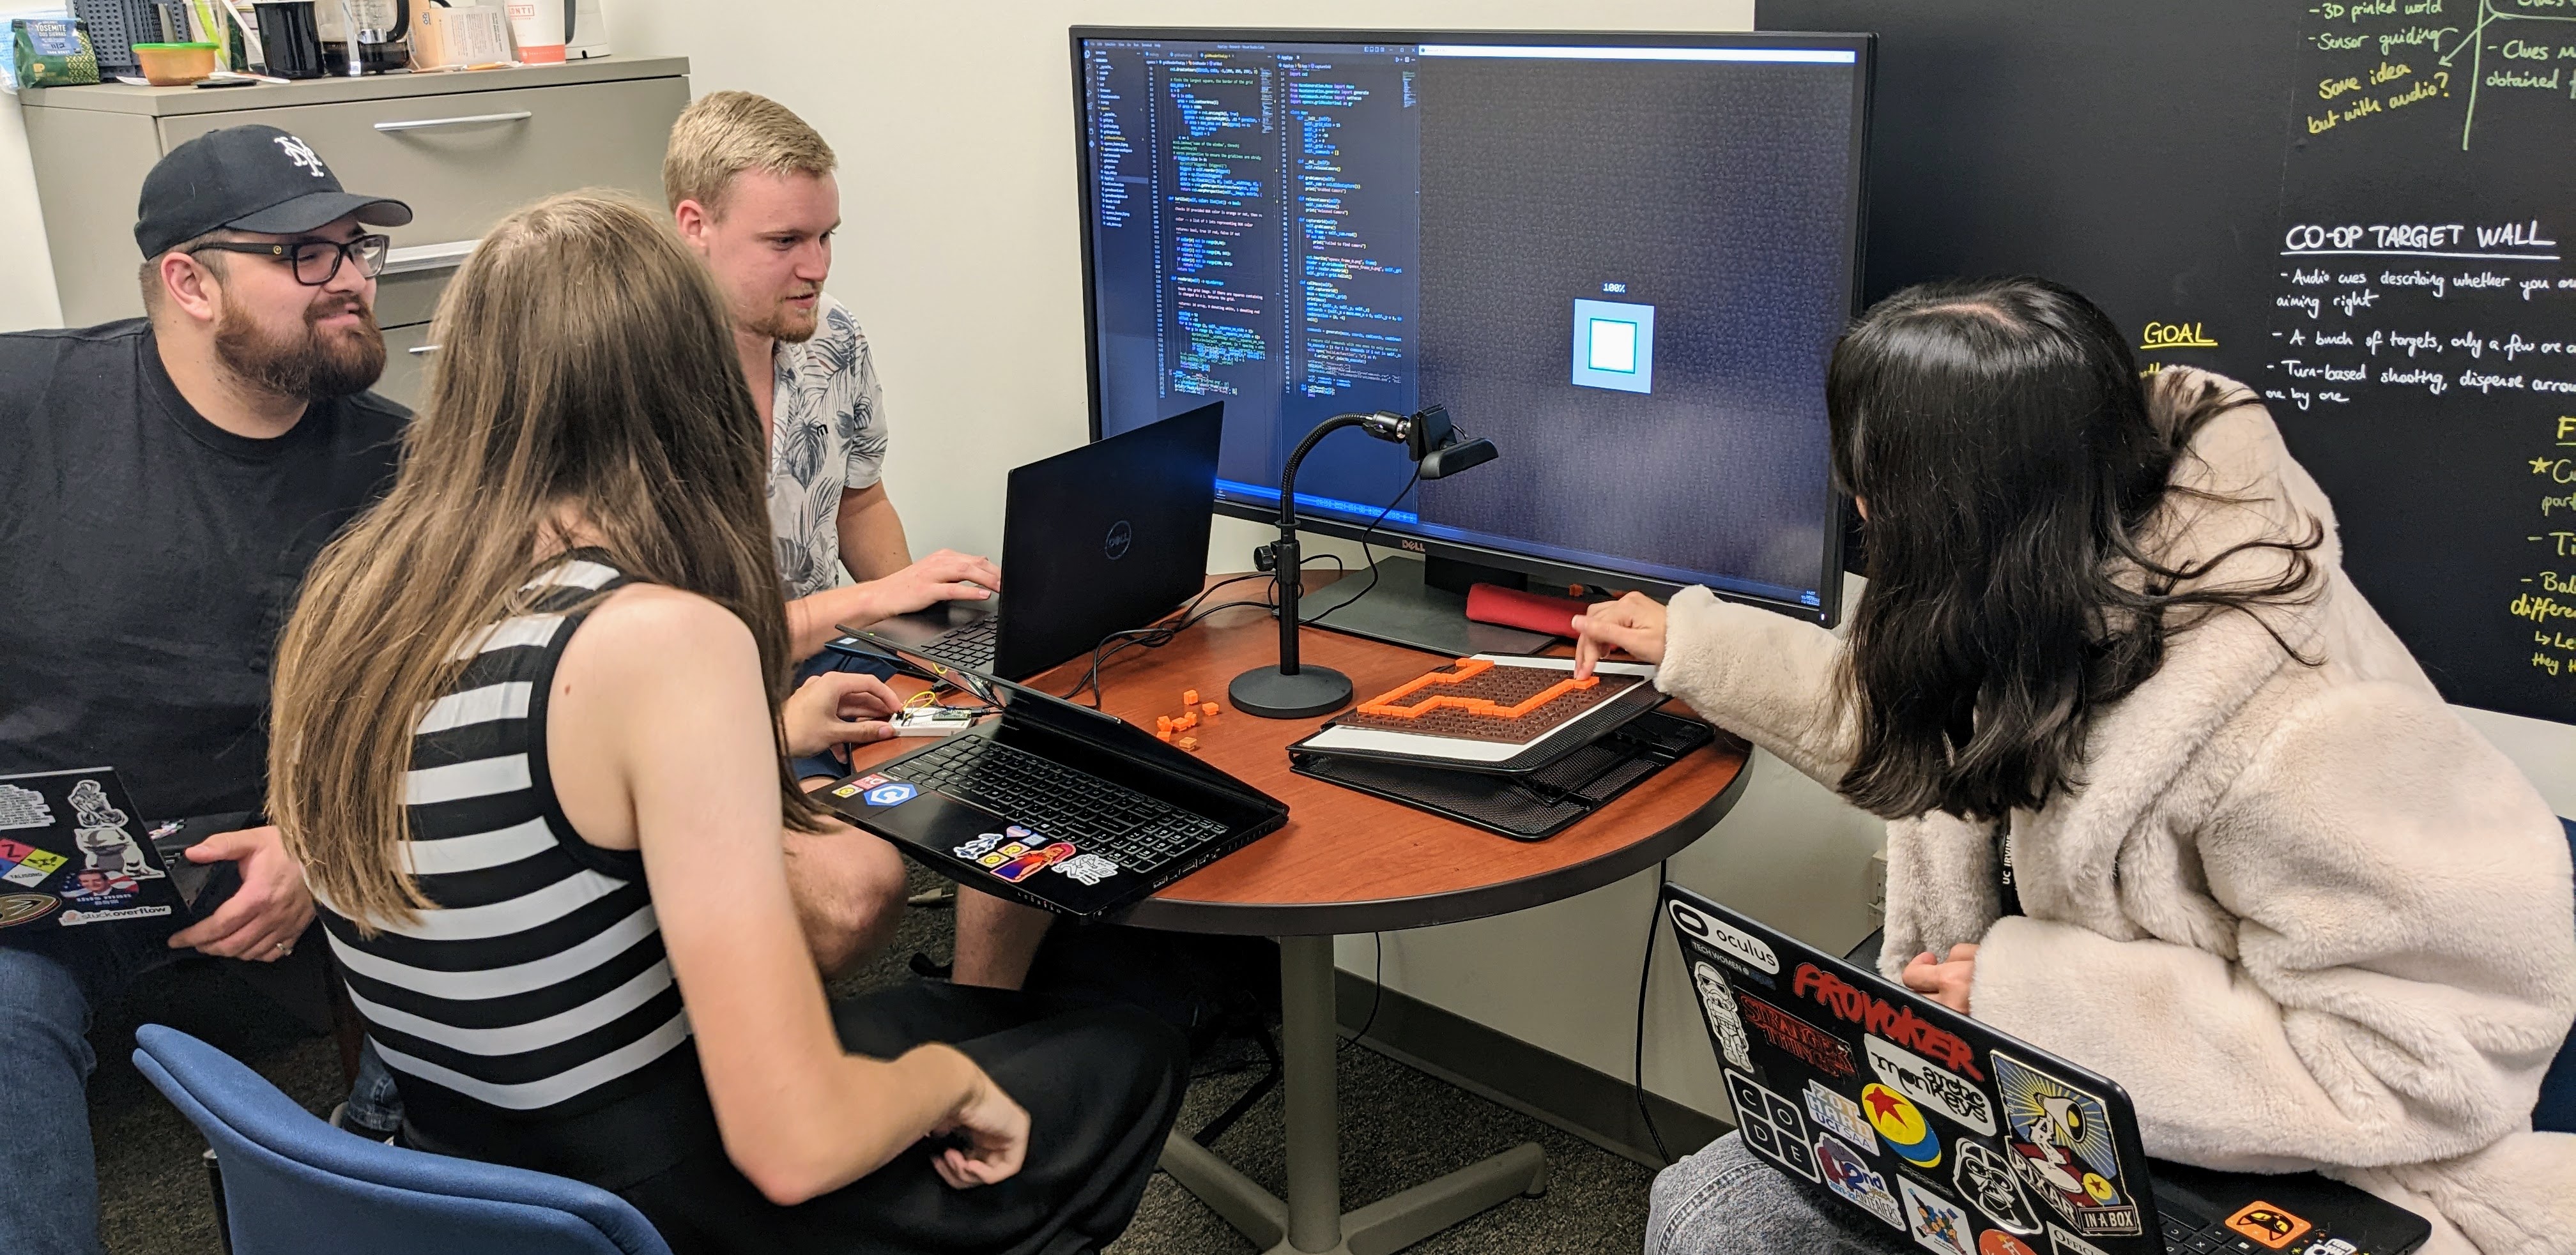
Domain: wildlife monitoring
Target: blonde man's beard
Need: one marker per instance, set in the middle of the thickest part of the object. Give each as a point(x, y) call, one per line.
point(785, 325)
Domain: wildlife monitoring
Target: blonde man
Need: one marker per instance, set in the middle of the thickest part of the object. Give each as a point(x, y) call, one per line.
point(751, 190)
point(750, 187)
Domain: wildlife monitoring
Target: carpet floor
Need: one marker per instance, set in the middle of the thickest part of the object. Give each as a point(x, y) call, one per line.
point(1399, 1128)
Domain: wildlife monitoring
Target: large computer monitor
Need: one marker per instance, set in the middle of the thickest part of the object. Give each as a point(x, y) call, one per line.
point(1623, 258)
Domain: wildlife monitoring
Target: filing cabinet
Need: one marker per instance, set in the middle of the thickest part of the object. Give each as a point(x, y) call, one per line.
point(461, 148)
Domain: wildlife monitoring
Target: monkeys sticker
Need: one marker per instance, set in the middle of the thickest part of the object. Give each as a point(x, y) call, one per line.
point(2058, 1140)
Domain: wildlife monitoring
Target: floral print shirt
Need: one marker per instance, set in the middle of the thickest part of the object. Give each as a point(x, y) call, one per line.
point(827, 432)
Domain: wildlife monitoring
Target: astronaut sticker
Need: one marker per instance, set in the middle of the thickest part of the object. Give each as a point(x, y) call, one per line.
point(104, 843)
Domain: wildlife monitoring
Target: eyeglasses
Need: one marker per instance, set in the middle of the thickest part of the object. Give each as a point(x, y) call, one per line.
point(316, 262)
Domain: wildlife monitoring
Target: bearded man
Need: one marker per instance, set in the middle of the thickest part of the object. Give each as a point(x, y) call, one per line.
point(164, 482)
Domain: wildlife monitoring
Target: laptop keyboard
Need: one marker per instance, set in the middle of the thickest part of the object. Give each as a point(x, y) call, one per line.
point(1139, 833)
point(969, 645)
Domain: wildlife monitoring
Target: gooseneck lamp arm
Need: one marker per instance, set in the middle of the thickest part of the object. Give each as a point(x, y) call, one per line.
point(1290, 690)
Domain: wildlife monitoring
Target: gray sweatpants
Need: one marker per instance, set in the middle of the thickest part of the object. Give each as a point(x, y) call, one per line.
point(1726, 1200)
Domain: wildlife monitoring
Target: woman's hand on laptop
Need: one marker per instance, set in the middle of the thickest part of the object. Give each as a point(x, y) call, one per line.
point(995, 1130)
point(1946, 982)
point(943, 576)
point(835, 709)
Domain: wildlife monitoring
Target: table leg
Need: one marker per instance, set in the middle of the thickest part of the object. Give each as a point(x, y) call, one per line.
point(1310, 1221)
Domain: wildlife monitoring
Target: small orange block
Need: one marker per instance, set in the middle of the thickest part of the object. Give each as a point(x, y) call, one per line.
point(1189, 697)
point(1209, 707)
point(1162, 723)
point(1162, 734)
point(1185, 723)
point(1189, 743)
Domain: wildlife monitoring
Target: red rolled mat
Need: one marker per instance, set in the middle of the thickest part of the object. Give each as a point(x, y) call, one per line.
point(1530, 612)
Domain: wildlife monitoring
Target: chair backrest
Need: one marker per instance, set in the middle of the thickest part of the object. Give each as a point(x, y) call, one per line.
point(2557, 1110)
point(293, 1183)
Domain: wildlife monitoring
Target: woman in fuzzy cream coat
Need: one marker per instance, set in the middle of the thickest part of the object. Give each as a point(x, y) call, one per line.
point(2108, 664)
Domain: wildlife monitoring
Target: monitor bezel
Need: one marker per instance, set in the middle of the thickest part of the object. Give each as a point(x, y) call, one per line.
point(1829, 577)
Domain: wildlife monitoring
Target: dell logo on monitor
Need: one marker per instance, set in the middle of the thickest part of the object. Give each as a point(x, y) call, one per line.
point(1115, 544)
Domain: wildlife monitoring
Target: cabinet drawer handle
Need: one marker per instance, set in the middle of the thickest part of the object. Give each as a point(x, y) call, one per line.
point(423, 124)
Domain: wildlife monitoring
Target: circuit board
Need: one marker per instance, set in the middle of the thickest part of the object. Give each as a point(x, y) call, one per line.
point(1477, 699)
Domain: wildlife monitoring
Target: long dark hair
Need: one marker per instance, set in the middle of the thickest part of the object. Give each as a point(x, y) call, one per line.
point(2000, 436)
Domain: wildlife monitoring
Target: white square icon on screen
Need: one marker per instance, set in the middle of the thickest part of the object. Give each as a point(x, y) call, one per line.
point(1614, 346)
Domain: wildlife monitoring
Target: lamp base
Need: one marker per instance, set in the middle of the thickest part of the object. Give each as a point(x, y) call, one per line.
point(1270, 695)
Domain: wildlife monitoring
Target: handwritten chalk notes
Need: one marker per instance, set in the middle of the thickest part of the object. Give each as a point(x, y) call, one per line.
point(2423, 303)
point(2448, 56)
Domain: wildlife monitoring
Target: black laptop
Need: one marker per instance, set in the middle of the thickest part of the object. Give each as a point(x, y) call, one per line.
point(72, 855)
point(1965, 1140)
point(1105, 537)
point(1055, 805)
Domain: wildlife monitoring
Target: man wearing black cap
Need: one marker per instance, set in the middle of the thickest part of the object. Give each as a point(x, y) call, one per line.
point(164, 482)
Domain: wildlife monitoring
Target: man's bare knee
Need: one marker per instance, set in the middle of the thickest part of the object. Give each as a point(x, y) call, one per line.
point(849, 889)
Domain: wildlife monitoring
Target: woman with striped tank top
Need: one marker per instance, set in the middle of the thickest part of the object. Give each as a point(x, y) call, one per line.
point(529, 749)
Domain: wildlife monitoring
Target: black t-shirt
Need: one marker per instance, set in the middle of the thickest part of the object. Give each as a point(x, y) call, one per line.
point(148, 560)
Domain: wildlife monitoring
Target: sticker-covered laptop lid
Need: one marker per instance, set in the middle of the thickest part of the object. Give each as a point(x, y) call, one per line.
point(73, 855)
point(1939, 1128)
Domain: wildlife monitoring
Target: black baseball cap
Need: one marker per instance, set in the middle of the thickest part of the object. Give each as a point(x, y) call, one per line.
point(248, 178)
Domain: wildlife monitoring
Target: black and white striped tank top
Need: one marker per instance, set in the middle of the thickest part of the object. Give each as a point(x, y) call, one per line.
point(537, 988)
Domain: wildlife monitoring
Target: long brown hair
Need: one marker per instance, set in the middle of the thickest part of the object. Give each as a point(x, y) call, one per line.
point(585, 371)
point(2013, 467)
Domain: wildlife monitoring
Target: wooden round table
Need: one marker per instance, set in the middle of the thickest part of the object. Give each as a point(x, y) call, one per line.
point(1350, 863)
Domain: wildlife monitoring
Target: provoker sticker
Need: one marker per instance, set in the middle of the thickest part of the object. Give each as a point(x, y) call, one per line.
point(1917, 1078)
point(1901, 1025)
point(1849, 1175)
point(1772, 1126)
point(1936, 1223)
point(1839, 1114)
point(1986, 1181)
point(2058, 1141)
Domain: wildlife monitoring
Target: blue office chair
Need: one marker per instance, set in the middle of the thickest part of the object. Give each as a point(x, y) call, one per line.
point(2557, 1110)
point(293, 1184)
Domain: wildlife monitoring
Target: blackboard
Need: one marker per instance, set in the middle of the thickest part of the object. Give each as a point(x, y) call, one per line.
point(2366, 210)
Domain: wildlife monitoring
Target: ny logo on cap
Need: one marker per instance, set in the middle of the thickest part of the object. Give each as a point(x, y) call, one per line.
point(300, 153)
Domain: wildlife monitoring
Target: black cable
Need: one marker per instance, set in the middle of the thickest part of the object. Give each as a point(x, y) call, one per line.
point(1365, 533)
point(1637, 1076)
point(1377, 990)
point(1157, 634)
